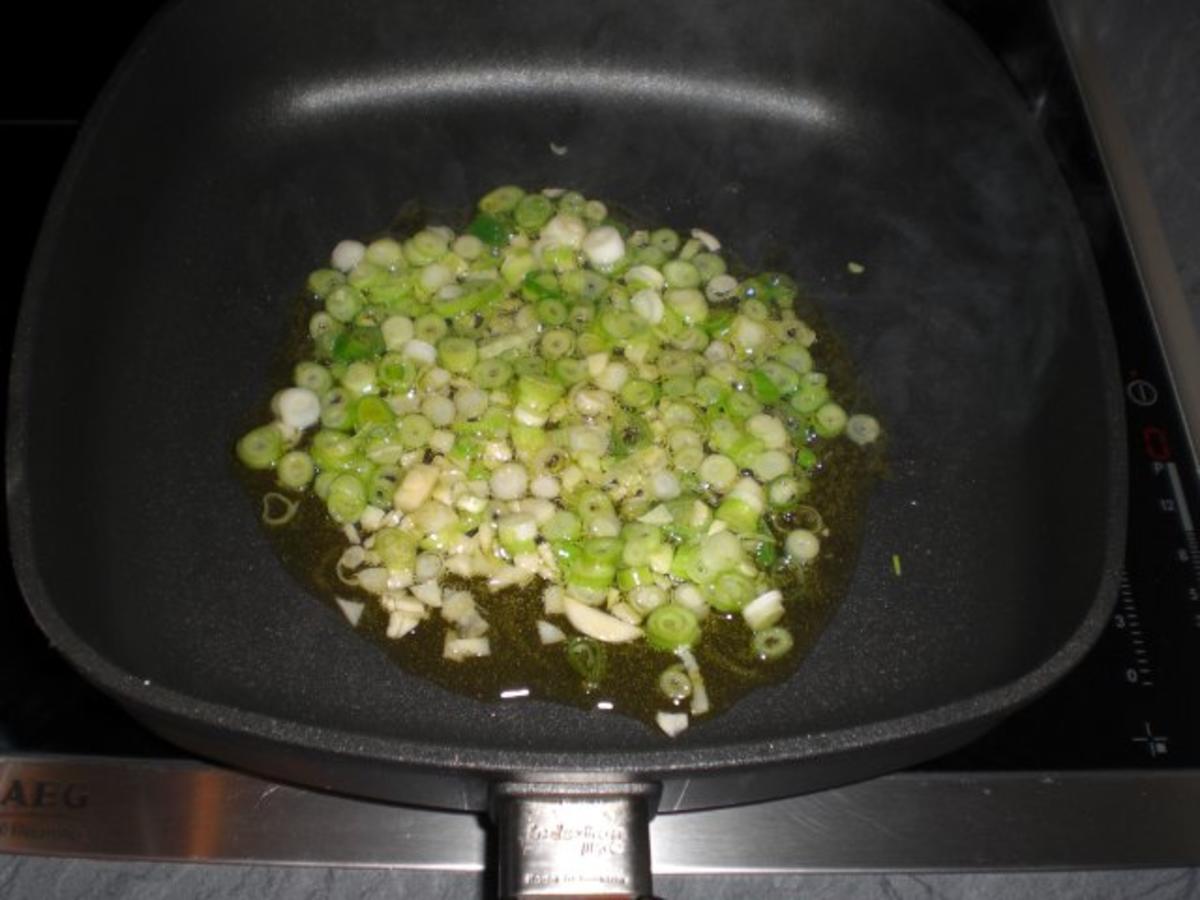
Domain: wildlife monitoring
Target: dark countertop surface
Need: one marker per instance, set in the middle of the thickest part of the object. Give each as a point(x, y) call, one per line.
point(70, 879)
point(1152, 51)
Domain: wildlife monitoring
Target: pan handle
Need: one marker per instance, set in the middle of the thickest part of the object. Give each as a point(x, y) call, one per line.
point(574, 840)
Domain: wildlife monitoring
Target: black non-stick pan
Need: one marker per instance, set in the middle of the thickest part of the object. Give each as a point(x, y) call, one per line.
point(240, 141)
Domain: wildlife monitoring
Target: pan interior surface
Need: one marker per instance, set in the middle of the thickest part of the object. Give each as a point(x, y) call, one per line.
point(208, 183)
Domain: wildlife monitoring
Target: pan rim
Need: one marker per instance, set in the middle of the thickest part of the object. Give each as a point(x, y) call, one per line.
point(795, 749)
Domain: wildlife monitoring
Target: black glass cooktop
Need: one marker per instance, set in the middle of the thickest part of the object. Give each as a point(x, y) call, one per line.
point(1130, 705)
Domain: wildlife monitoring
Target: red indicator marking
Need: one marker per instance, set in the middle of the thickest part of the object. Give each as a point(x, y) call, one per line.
point(1154, 440)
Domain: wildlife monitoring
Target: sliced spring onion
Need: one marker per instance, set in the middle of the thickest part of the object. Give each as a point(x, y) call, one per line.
point(509, 481)
point(532, 211)
point(802, 545)
point(344, 302)
point(491, 373)
point(347, 499)
point(313, 376)
point(277, 509)
point(397, 549)
point(595, 211)
point(709, 265)
point(675, 683)
point(397, 331)
point(588, 658)
point(719, 472)
point(680, 274)
point(457, 354)
point(670, 627)
point(551, 396)
point(295, 470)
point(771, 644)
point(502, 199)
point(729, 592)
point(862, 429)
point(829, 420)
point(665, 240)
point(809, 397)
point(564, 525)
point(260, 448)
point(322, 281)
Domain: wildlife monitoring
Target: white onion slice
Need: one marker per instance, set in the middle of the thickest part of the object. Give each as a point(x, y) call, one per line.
point(297, 407)
point(764, 610)
point(347, 254)
point(603, 246)
point(421, 351)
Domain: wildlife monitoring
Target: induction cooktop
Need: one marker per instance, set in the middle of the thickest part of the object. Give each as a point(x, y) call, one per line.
point(78, 776)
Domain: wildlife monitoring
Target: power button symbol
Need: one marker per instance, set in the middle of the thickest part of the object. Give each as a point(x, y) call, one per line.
point(1142, 392)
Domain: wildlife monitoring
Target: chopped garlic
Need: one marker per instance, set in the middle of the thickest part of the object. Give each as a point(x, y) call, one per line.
point(672, 723)
point(416, 487)
point(428, 592)
point(372, 518)
point(400, 623)
point(459, 648)
point(402, 603)
point(352, 557)
point(351, 609)
point(626, 613)
point(462, 566)
point(764, 610)
point(398, 581)
point(473, 625)
point(457, 606)
point(508, 576)
point(552, 600)
point(599, 625)
point(699, 702)
point(373, 580)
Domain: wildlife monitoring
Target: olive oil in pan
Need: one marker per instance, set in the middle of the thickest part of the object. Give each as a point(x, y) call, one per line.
point(520, 665)
point(310, 546)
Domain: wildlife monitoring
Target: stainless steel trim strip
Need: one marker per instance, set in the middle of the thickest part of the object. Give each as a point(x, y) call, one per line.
point(184, 810)
point(1135, 203)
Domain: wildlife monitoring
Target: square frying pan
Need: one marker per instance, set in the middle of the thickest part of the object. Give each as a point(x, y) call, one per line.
point(240, 140)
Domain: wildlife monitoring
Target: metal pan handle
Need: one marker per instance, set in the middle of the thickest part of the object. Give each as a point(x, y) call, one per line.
point(574, 840)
